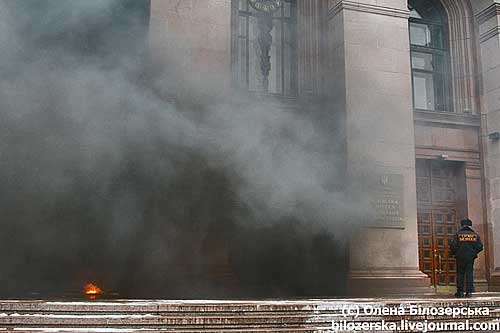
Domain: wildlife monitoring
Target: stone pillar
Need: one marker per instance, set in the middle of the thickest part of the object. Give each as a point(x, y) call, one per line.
point(371, 81)
point(487, 14)
point(311, 20)
point(475, 212)
point(192, 40)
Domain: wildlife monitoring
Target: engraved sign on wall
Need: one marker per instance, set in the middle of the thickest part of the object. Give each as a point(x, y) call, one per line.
point(386, 201)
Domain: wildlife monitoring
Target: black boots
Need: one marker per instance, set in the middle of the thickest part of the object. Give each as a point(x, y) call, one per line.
point(460, 294)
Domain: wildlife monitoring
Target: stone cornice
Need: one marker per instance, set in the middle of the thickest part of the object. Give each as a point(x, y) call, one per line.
point(447, 149)
point(488, 13)
point(447, 118)
point(495, 31)
point(365, 8)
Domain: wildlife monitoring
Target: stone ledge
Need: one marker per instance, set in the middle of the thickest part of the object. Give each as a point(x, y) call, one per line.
point(488, 13)
point(493, 32)
point(366, 8)
point(386, 281)
point(447, 118)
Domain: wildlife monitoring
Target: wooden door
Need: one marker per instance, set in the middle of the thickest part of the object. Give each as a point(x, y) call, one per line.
point(438, 200)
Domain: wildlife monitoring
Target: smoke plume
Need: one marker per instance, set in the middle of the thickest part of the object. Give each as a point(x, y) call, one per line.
point(110, 174)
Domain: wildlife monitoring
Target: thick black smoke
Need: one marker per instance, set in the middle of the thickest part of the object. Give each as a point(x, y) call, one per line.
point(104, 178)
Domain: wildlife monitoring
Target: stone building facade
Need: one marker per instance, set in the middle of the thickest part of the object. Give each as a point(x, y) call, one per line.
point(417, 86)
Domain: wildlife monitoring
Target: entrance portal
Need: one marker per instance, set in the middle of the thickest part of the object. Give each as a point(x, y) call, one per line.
point(440, 198)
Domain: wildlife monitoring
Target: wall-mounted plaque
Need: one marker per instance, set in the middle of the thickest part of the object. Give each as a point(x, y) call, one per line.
point(267, 6)
point(386, 201)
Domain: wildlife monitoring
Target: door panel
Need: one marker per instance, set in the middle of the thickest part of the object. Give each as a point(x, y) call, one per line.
point(445, 226)
point(425, 243)
point(437, 219)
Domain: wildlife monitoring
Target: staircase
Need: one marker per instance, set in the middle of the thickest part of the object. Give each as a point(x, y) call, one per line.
point(233, 316)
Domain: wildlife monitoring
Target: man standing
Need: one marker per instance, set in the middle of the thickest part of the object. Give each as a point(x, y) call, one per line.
point(465, 245)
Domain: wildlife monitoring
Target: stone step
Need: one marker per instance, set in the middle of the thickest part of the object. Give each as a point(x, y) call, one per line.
point(334, 305)
point(220, 316)
point(221, 319)
point(139, 330)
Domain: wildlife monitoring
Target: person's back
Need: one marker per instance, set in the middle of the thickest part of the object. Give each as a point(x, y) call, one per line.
point(466, 244)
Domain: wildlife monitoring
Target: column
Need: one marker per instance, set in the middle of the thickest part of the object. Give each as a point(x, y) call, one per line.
point(487, 15)
point(370, 80)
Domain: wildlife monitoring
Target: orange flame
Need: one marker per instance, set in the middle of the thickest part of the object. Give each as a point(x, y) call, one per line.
point(92, 290)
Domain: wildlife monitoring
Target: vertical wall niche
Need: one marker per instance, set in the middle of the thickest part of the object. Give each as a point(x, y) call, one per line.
point(464, 55)
point(305, 74)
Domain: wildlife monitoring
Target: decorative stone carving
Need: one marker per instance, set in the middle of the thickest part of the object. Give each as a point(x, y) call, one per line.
point(265, 40)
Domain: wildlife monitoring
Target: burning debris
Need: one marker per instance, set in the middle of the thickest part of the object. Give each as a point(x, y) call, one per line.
point(92, 291)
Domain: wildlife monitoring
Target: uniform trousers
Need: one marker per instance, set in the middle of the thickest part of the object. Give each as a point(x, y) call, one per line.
point(465, 269)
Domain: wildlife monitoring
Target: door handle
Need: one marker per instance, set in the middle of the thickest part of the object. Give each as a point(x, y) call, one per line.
point(439, 256)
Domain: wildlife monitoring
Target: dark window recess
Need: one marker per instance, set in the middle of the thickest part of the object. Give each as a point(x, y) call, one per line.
point(429, 56)
point(283, 51)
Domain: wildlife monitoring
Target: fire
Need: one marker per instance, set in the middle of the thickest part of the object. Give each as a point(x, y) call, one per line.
point(92, 290)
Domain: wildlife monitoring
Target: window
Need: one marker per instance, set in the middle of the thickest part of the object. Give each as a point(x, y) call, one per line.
point(429, 56)
point(247, 59)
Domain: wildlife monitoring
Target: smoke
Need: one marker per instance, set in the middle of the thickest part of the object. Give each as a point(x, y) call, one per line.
point(109, 173)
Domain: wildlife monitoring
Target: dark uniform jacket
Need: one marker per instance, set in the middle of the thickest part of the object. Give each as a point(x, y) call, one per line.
point(466, 244)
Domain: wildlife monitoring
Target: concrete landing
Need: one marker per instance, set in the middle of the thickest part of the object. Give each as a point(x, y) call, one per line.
point(311, 315)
